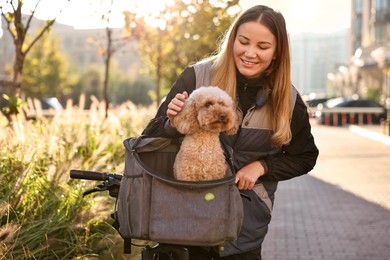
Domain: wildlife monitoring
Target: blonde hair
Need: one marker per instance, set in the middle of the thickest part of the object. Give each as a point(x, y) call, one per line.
point(278, 73)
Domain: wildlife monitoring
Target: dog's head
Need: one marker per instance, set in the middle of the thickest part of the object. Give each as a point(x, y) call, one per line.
point(209, 109)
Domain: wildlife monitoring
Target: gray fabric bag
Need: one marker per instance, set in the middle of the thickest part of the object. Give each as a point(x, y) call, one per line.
point(152, 205)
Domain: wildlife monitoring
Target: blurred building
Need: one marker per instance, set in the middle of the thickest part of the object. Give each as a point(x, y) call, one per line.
point(369, 68)
point(80, 45)
point(313, 56)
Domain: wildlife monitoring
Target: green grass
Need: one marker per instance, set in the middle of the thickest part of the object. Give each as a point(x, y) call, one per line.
point(42, 212)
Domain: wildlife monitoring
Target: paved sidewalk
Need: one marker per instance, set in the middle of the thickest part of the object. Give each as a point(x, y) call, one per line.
point(317, 221)
point(376, 133)
point(340, 211)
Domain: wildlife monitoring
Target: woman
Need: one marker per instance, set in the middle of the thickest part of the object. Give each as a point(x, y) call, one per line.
point(274, 142)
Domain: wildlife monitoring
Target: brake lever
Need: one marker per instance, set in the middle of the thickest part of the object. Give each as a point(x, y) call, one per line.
point(99, 188)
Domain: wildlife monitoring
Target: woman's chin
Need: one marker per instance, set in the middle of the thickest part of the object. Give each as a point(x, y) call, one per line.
point(249, 72)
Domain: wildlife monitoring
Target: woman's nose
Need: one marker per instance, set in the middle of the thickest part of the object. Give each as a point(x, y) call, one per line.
point(250, 53)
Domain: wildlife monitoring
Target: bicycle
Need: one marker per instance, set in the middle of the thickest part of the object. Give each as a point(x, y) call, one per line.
point(111, 183)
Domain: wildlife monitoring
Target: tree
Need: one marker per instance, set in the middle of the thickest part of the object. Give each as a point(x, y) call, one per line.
point(46, 70)
point(113, 43)
point(18, 26)
point(185, 33)
point(89, 83)
point(134, 89)
point(151, 40)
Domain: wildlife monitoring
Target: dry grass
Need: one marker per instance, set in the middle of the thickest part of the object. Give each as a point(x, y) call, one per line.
point(43, 215)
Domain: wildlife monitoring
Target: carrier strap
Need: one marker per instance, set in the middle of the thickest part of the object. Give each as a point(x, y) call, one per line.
point(127, 245)
point(203, 73)
point(228, 152)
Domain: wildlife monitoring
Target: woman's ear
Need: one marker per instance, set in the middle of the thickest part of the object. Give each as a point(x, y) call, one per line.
point(186, 121)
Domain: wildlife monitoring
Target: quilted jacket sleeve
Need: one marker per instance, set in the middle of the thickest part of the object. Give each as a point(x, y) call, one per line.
point(300, 156)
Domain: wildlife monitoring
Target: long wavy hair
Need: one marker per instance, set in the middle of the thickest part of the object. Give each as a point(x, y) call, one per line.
point(278, 74)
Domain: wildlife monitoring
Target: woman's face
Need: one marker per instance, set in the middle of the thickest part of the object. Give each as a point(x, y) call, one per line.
point(253, 49)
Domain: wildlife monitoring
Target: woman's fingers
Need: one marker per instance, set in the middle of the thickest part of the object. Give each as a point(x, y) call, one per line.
point(247, 176)
point(177, 103)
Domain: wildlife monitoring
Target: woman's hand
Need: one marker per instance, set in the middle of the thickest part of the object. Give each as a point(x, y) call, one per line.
point(176, 104)
point(247, 176)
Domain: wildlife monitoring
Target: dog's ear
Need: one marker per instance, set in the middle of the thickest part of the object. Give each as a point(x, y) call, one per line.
point(235, 124)
point(186, 121)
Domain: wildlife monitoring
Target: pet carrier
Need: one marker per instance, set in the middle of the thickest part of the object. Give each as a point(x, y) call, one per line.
point(154, 206)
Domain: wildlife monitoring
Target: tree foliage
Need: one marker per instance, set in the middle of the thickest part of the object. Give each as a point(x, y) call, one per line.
point(187, 31)
point(18, 25)
point(89, 83)
point(46, 70)
point(136, 90)
point(122, 86)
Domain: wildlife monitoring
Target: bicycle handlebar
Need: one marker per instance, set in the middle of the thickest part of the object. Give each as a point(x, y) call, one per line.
point(111, 181)
point(94, 176)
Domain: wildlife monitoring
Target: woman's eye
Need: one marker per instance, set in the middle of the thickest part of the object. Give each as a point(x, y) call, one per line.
point(264, 46)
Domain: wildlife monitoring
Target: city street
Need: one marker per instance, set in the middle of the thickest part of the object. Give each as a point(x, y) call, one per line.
point(340, 210)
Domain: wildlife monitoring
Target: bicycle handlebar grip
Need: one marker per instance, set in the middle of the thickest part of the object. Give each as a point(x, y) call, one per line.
point(88, 175)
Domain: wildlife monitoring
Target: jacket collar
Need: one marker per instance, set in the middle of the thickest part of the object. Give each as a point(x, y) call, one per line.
point(255, 85)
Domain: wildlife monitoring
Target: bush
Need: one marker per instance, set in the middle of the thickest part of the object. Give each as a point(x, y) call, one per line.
point(43, 214)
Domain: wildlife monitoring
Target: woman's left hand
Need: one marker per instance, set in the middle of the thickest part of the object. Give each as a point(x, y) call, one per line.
point(247, 176)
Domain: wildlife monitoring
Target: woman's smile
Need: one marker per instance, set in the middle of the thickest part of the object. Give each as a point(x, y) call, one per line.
point(249, 63)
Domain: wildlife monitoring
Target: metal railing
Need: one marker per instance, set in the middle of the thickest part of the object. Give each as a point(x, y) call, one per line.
point(340, 116)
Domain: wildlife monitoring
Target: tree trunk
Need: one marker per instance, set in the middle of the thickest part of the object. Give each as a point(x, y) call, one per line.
point(18, 73)
point(158, 67)
point(108, 55)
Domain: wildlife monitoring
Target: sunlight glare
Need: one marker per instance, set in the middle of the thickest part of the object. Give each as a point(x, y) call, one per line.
point(151, 10)
point(84, 14)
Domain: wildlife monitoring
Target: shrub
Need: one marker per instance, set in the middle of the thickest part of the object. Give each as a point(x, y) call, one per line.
point(43, 214)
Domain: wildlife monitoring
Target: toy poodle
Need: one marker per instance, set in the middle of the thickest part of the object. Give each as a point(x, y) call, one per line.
point(206, 113)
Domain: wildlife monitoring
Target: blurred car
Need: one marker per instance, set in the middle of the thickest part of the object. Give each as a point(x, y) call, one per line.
point(344, 111)
point(43, 107)
point(313, 103)
point(316, 101)
point(46, 107)
point(51, 103)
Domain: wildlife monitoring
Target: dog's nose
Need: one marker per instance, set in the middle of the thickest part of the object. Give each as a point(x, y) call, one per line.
point(222, 117)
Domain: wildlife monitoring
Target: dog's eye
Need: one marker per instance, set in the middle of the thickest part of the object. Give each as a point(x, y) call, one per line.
point(208, 104)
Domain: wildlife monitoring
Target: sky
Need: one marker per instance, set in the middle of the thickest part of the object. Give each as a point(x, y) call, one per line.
point(320, 16)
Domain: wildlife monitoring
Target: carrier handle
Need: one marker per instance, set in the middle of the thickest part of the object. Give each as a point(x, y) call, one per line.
point(187, 184)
